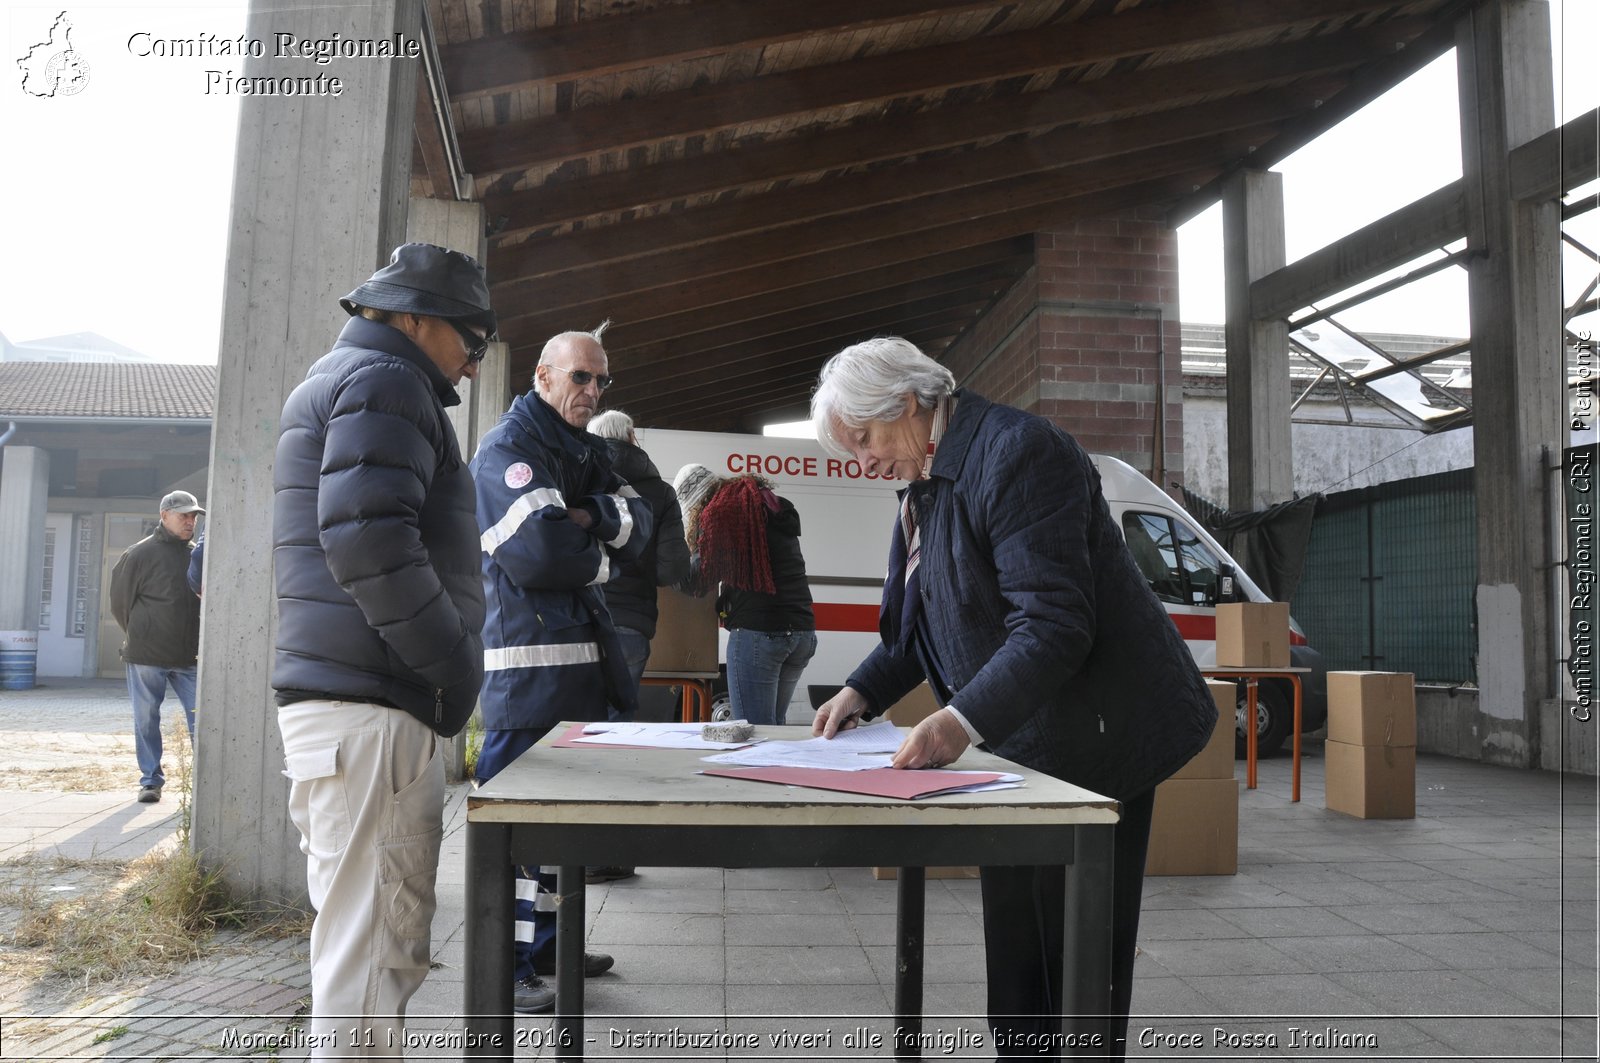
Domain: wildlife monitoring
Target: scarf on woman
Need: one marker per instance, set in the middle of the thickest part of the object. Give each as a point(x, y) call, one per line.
point(733, 536)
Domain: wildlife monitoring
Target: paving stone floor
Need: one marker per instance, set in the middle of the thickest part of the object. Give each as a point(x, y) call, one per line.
point(1468, 932)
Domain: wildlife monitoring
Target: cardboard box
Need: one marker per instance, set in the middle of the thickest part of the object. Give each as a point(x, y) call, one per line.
point(1253, 635)
point(686, 634)
point(1195, 829)
point(1372, 708)
point(1215, 761)
point(914, 707)
point(1371, 782)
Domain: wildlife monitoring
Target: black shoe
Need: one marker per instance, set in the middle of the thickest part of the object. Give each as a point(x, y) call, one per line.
point(532, 996)
point(595, 875)
point(149, 795)
point(594, 963)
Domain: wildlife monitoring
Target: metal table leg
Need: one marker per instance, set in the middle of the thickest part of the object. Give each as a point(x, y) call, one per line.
point(1250, 726)
point(569, 962)
point(1086, 964)
point(491, 959)
point(1295, 680)
point(910, 921)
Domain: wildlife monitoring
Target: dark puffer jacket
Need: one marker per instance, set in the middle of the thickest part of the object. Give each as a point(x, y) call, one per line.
point(150, 599)
point(375, 537)
point(790, 608)
point(1051, 642)
point(631, 594)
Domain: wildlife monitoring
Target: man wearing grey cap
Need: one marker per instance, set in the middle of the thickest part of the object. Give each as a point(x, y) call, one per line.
point(380, 618)
point(150, 599)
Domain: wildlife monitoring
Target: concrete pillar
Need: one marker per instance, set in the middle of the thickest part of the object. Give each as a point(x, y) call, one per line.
point(1507, 99)
point(491, 392)
point(319, 201)
point(460, 227)
point(1260, 457)
point(24, 498)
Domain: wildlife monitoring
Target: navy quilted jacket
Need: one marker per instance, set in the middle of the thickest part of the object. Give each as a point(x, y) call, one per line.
point(375, 542)
point(1053, 646)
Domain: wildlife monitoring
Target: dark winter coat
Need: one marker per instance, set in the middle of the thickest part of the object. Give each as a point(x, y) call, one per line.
point(790, 608)
point(631, 593)
point(375, 541)
point(1053, 646)
point(150, 599)
point(551, 651)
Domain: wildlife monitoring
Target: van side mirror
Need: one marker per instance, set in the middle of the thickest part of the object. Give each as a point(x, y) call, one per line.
point(1225, 582)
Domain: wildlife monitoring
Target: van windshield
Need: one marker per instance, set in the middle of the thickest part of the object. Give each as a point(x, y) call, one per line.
point(1178, 566)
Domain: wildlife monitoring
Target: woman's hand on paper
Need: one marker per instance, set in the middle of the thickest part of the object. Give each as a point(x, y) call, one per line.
point(936, 741)
point(839, 713)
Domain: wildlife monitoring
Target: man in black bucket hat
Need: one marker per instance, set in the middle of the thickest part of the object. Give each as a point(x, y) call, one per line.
point(380, 615)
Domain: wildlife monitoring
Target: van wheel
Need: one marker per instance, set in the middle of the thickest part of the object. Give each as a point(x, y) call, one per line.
point(1274, 716)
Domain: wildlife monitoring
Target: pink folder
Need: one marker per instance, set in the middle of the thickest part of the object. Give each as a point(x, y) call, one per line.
point(878, 782)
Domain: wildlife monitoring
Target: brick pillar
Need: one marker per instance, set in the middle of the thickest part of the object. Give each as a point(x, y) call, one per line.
point(1089, 337)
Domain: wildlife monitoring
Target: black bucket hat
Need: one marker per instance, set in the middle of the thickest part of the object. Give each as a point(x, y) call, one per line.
point(429, 280)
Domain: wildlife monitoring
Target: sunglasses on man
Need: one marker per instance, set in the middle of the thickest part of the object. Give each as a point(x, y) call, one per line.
point(477, 346)
point(582, 377)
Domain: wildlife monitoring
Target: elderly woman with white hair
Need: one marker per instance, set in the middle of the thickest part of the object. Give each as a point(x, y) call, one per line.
point(1011, 591)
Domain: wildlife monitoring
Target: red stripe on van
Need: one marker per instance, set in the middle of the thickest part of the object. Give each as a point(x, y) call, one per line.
point(1195, 627)
point(836, 616)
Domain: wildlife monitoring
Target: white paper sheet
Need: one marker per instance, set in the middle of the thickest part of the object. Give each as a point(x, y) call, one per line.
point(857, 749)
point(653, 735)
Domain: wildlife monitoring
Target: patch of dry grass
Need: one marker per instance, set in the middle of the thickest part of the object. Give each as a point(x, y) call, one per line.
point(135, 918)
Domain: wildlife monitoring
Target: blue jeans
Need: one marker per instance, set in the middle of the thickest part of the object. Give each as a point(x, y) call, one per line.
point(147, 688)
point(763, 669)
point(636, 651)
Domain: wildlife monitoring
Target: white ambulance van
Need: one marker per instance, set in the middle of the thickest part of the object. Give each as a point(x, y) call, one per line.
point(845, 522)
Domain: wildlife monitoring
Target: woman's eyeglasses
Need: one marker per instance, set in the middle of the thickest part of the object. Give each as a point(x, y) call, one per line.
point(582, 377)
point(477, 346)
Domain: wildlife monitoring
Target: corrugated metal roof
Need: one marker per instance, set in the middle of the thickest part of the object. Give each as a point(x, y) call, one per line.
point(104, 389)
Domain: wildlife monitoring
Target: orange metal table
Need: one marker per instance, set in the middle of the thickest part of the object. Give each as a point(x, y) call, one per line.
point(1252, 678)
point(696, 704)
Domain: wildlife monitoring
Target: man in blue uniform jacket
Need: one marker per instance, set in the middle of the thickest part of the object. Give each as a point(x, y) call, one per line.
point(557, 522)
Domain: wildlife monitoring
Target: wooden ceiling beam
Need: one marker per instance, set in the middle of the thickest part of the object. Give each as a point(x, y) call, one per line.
point(808, 204)
point(782, 389)
point(657, 315)
point(774, 279)
point(521, 60)
point(652, 343)
point(661, 378)
point(556, 138)
point(1165, 86)
point(929, 213)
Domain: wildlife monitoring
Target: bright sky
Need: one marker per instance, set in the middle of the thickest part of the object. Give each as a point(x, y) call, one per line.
point(116, 198)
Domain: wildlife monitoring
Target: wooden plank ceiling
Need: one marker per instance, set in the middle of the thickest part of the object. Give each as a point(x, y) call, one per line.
point(744, 186)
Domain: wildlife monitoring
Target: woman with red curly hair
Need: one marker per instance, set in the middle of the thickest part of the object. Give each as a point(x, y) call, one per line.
point(747, 539)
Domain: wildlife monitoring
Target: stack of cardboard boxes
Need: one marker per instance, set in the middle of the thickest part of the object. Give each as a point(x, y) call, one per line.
point(1195, 828)
point(1371, 753)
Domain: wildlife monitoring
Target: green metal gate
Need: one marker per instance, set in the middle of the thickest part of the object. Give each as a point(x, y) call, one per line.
point(1390, 576)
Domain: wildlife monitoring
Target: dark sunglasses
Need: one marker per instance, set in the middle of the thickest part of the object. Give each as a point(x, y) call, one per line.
point(582, 377)
point(477, 346)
